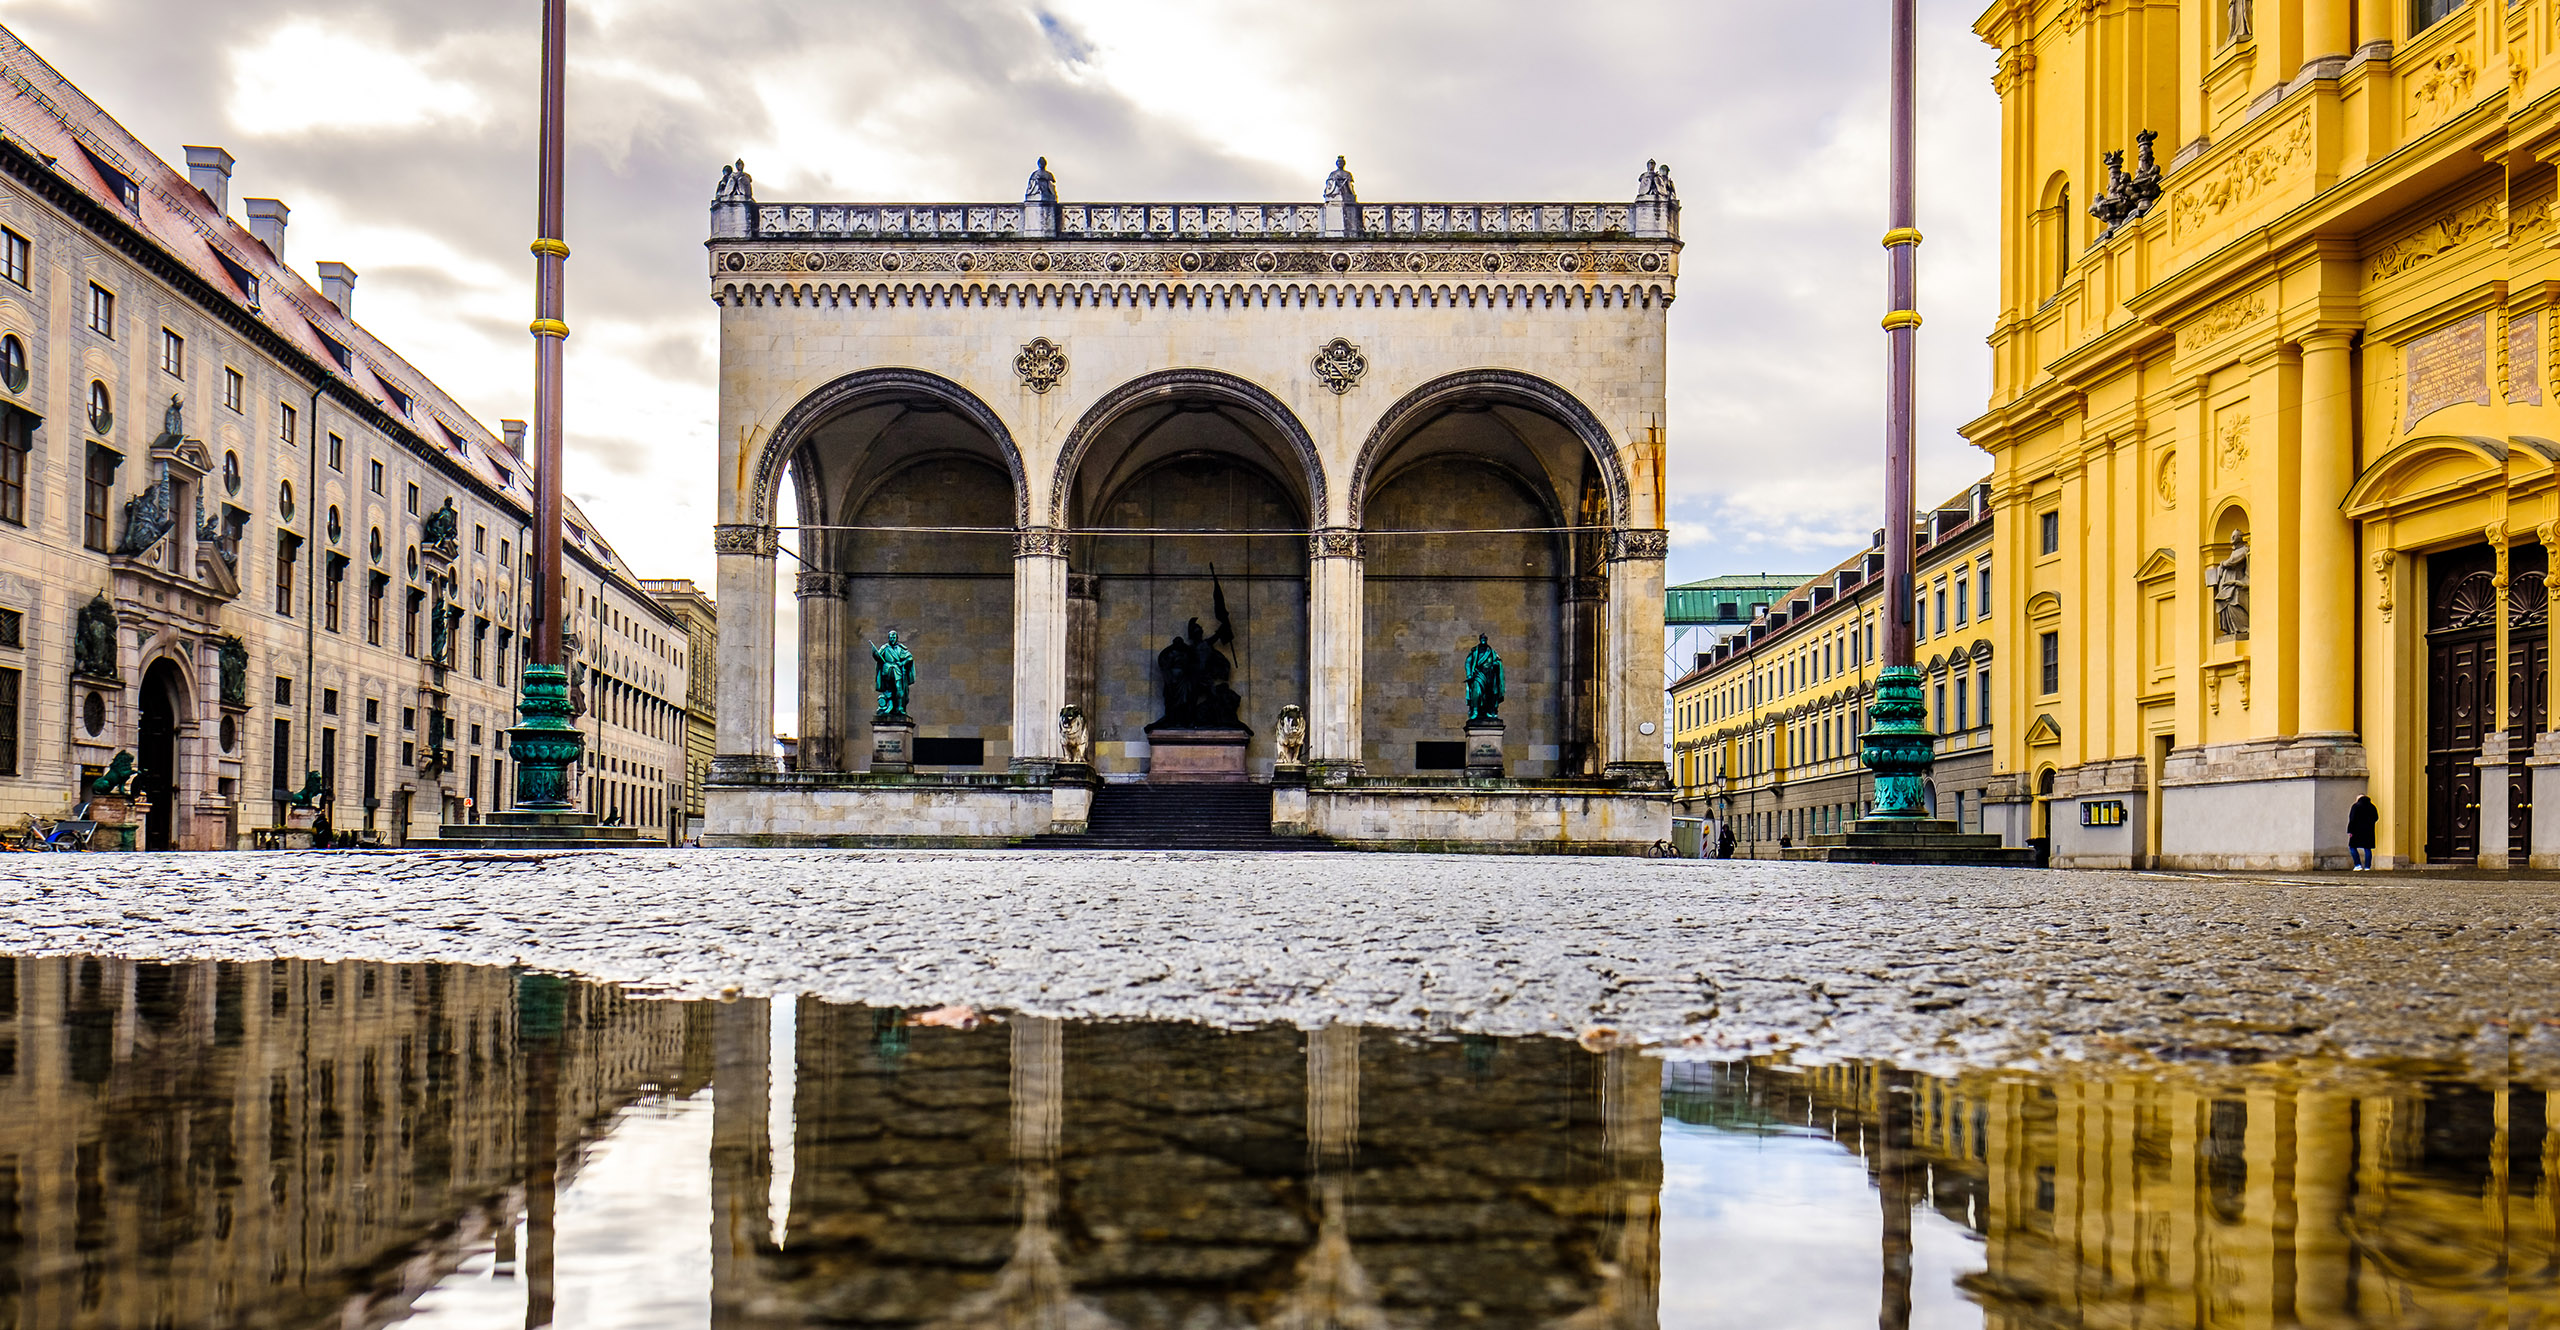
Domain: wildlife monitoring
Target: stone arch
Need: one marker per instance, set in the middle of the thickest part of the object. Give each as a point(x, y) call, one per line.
point(1528, 390)
point(838, 395)
point(1175, 383)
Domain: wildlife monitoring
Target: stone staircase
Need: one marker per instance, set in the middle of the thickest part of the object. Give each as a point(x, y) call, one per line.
point(1926, 842)
point(521, 829)
point(1179, 817)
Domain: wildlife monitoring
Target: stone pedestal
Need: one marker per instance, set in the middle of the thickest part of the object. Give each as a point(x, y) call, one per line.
point(120, 819)
point(1289, 810)
point(2494, 824)
point(2542, 841)
point(1071, 790)
point(893, 745)
point(1484, 749)
point(1196, 756)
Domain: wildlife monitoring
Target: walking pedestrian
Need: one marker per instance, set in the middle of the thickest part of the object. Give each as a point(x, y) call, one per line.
point(1724, 842)
point(2362, 818)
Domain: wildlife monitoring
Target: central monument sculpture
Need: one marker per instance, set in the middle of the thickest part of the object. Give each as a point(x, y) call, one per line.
point(1201, 736)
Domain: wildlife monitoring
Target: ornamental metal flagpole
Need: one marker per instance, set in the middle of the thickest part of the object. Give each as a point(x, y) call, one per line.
point(547, 745)
point(1898, 747)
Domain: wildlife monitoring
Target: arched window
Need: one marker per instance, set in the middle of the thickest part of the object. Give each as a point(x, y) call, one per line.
point(13, 363)
point(102, 414)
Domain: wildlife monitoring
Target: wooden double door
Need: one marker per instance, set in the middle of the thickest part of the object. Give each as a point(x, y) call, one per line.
point(2462, 696)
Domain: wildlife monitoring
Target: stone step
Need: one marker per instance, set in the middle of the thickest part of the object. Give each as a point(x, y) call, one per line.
point(1183, 817)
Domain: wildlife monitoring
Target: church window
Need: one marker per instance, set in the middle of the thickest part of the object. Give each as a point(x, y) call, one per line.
point(2048, 533)
point(2049, 649)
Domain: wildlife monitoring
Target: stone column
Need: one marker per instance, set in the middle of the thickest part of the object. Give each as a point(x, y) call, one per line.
point(1040, 636)
point(1335, 628)
point(745, 554)
point(2326, 543)
point(2378, 24)
point(2324, 39)
point(1631, 660)
point(822, 699)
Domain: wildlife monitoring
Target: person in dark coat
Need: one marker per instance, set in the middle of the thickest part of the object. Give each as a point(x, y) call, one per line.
point(2362, 819)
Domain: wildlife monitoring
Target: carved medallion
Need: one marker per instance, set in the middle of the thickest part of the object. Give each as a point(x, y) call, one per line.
point(1339, 365)
point(1041, 364)
point(2168, 481)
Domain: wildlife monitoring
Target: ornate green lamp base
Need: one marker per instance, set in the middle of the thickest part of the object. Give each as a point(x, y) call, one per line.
point(1897, 746)
point(547, 746)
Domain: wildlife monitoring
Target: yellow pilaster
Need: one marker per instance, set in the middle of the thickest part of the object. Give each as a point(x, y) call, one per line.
point(2325, 545)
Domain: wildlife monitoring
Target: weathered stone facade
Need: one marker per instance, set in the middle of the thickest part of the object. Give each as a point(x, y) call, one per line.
point(1041, 440)
point(256, 491)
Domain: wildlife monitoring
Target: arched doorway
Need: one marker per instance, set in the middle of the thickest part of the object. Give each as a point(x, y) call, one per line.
point(906, 493)
point(1485, 503)
point(163, 702)
point(1182, 490)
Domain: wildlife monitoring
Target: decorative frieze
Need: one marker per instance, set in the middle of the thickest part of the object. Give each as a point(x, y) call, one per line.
point(1040, 542)
point(1626, 545)
point(2242, 178)
point(815, 585)
point(1025, 262)
point(1206, 221)
point(2441, 234)
point(743, 538)
point(1335, 542)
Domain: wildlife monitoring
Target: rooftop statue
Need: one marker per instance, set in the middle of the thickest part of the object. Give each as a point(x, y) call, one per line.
point(1043, 187)
point(1654, 186)
point(735, 186)
point(173, 424)
point(893, 673)
point(1337, 186)
point(1484, 684)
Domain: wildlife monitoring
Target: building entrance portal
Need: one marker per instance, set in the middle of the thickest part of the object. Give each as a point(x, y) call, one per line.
point(1163, 493)
point(2462, 670)
point(156, 776)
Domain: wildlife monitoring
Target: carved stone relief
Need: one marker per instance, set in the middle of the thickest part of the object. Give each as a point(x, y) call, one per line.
point(1338, 365)
point(1041, 364)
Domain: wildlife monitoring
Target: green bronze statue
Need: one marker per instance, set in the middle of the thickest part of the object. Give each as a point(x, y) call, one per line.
point(309, 794)
point(1484, 684)
point(117, 776)
point(893, 673)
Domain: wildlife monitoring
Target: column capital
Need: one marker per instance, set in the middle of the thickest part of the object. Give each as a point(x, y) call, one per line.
point(1040, 542)
point(2329, 337)
point(815, 585)
point(1336, 542)
point(744, 538)
point(1627, 546)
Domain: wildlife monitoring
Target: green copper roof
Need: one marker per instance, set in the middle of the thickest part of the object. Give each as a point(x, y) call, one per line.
point(1726, 599)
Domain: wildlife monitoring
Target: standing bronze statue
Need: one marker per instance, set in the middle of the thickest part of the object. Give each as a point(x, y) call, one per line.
point(893, 673)
point(1484, 684)
point(1198, 678)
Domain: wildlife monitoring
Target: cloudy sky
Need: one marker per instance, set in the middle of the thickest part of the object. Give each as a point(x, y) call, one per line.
point(401, 134)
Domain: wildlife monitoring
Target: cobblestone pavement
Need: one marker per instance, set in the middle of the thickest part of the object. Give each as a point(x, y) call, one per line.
point(1935, 968)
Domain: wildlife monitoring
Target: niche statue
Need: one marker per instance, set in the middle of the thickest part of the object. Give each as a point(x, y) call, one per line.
point(2229, 582)
point(1484, 684)
point(893, 673)
point(93, 647)
point(1198, 679)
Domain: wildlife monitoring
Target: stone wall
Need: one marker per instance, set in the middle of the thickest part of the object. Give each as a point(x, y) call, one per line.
point(950, 596)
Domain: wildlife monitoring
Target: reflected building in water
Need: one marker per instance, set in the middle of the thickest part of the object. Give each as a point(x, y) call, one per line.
point(292, 1143)
point(1034, 1173)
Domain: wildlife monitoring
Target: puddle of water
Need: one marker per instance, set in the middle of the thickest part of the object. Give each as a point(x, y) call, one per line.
point(299, 1143)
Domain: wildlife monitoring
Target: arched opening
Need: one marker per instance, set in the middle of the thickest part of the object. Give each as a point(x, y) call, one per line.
point(898, 493)
point(156, 776)
point(1183, 492)
point(2053, 218)
point(1485, 507)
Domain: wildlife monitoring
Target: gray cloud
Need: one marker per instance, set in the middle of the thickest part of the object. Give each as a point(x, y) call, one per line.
point(1772, 115)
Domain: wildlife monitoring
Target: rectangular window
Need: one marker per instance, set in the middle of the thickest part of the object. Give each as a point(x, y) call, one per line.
point(1964, 603)
point(173, 354)
point(1942, 608)
point(413, 500)
point(505, 553)
point(9, 689)
point(408, 718)
point(13, 630)
point(409, 625)
point(283, 766)
point(284, 691)
point(375, 480)
point(2049, 649)
point(337, 453)
point(373, 613)
point(13, 256)
point(235, 389)
point(287, 549)
point(479, 648)
point(373, 711)
point(2425, 14)
point(102, 310)
point(2048, 533)
point(16, 441)
point(288, 422)
point(1964, 719)
point(331, 596)
point(1982, 592)
point(98, 497)
point(329, 761)
point(372, 777)
point(479, 540)
point(1982, 696)
point(1938, 714)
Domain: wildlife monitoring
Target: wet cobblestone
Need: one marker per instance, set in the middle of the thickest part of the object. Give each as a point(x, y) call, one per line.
point(1935, 969)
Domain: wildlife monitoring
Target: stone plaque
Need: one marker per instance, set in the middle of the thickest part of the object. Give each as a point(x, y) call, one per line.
point(2524, 362)
point(2448, 367)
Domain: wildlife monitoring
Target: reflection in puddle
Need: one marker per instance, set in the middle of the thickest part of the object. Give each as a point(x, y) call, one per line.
point(296, 1143)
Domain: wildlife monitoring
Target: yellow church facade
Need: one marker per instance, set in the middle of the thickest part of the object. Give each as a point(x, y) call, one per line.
point(2273, 420)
